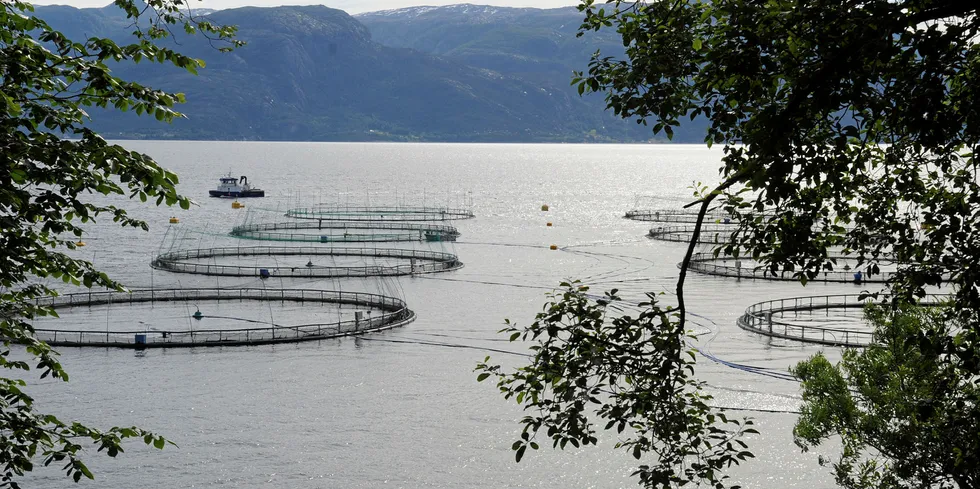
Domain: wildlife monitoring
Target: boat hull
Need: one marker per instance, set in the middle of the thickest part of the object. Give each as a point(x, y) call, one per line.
point(237, 195)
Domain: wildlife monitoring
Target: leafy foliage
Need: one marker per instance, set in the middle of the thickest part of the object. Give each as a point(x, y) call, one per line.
point(50, 162)
point(634, 374)
point(905, 411)
point(854, 125)
point(848, 128)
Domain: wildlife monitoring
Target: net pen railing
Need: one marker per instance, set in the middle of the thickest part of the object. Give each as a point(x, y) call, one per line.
point(769, 318)
point(380, 213)
point(710, 233)
point(678, 216)
point(91, 298)
point(394, 312)
point(708, 264)
point(420, 262)
point(358, 231)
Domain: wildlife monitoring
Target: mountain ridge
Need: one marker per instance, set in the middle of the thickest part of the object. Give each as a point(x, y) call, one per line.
point(539, 45)
point(314, 73)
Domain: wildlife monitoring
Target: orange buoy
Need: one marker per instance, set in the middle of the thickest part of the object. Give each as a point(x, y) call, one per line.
point(174, 220)
point(237, 205)
point(554, 247)
point(80, 243)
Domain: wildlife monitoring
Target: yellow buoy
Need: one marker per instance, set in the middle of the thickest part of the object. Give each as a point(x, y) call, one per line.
point(174, 220)
point(237, 205)
point(554, 247)
point(544, 207)
point(80, 243)
point(549, 224)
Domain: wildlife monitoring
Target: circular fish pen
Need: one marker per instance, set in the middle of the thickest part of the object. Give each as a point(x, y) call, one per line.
point(835, 320)
point(395, 262)
point(379, 213)
point(682, 216)
point(322, 231)
point(726, 266)
point(710, 233)
point(367, 313)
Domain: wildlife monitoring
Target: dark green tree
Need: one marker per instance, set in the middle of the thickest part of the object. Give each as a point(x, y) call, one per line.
point(50, 163)
point(905, 412)
point(635, 375)
point(849, 127)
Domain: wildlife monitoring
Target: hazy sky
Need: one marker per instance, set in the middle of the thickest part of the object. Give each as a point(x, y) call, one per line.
point(351, 6)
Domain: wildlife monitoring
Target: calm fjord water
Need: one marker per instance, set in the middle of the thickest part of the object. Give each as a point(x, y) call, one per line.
point(402, 408)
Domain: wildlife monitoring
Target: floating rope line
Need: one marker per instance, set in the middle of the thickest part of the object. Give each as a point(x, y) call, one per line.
point(755, 410)
point(705, 352)
point(445, 345)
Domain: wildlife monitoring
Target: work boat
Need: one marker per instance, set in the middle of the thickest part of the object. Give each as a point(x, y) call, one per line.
point(236, 187)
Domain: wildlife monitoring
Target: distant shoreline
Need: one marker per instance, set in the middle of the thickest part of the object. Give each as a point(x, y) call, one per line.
point(500, 143)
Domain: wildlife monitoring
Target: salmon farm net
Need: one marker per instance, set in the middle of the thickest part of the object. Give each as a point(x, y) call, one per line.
point(379, 213)
point(386, 262)
point(328, 231)
point(835, 320)
point(710, 233)
point(727, 266)
point(682, 216)
point(333, 313)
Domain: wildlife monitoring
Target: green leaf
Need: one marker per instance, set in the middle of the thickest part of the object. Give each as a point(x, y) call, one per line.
point(18, 176)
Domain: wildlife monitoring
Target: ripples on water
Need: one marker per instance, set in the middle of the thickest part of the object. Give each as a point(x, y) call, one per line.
point(402, 408)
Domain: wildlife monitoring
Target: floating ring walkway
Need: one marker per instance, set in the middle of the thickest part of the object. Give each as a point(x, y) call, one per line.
point(684, 216)
point(346, 232)
point(419, 262)
point(394, 313)
point(710, 233)
point(379, 213)
point(709, 264)
point(820, 319)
